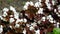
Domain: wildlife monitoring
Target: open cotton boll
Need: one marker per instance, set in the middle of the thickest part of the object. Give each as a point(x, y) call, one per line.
point(24, 31)
point(25, 20)
point(40, 0)
point(58, 24)
point(4, 14)
point(17, 25)
point(27, 3)
point(5, 9)
point(47, 1)
point(1, 28)
point(31, 28)
point(11, 15)
point(16, 15)
point(52, 21)
point(28, 25)
point(34, 24)
point(31, 3)
point(40, 11)
point(10, 26)
point(37, 31)
point(19, 20)
point(53, 2)
point(11, 20)
point(25, 7)
point(36, 4)
point(12, 9)
point(58, 15)
point(43, 18)
point(55, 10)
point(1, 17)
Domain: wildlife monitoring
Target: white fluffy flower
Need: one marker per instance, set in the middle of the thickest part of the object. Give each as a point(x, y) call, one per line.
point(11, 20)
point(1, 28)
point(5, 9)
point(17, 25)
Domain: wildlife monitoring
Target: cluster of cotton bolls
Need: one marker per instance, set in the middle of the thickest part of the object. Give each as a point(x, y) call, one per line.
point(32, 26)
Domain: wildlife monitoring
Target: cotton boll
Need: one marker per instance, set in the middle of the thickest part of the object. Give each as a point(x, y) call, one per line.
point(58, 15)
point(58, 24)
point(27, 3)
point(37, 31)
point(1, 28)
point(25, 20)
point(10, 27)
point(18, 20)
point(55, 10)
point(27, 25)
point(52, 21)
point(24, 31)
point(53, 2)
point(47, 1)
point(11, 20)
point(40, 11)
point(34, 24)
point(31, 3)
point(31, 28)
point(43, 18)
point(12, 8)
point(40, 0)
point(17, 25)
point(1, 17)
point(16, 15)
point(4, 14)
point(5, 9)
point(11, 15)
point(25, 7)
point(36, 4)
